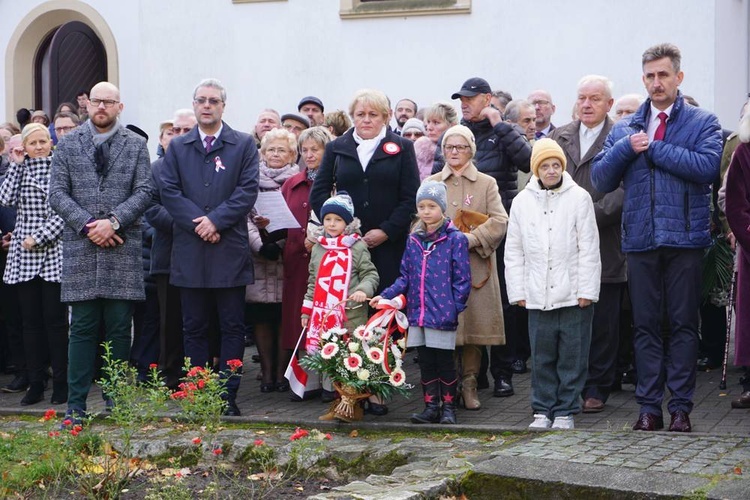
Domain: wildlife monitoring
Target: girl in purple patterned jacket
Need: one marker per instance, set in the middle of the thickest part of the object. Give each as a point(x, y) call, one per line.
point(436, 280)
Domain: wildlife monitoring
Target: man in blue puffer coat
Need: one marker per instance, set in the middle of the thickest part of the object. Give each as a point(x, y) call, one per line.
point(666, 156)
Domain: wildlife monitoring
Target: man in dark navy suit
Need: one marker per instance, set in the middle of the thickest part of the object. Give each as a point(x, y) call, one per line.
point(209, 185)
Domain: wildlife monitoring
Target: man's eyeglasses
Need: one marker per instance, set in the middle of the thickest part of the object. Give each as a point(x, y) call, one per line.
point(210, 100)
point(540, 103)
point(181, 130)
point(455, 147)
point(63, 130)
point(108, 103)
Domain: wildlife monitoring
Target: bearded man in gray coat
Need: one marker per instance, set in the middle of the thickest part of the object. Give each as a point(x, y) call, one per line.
point(100, 185)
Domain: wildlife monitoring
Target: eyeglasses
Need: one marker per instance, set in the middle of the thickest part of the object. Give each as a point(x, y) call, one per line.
point(455, 147)
point(210, 100)
point(280, 151)
point(108, 103)
point(180, 131)
point(540, 103)
point(63, 130)
point(413, 134)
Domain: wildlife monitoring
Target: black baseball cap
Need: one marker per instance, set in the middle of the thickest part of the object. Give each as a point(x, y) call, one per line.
point(311, 99)
point(294, 116)
point(472, 87)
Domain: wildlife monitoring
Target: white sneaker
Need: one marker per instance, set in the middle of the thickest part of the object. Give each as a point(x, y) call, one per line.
point(540, 422)
point(563, 423)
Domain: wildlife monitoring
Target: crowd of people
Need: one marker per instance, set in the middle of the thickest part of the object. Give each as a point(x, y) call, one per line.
point(576, 249)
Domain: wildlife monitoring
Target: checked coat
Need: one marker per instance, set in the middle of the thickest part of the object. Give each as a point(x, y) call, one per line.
point(26, 187)
point(78, 194)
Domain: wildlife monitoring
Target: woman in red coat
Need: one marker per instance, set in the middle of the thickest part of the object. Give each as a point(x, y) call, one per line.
point(296, 255)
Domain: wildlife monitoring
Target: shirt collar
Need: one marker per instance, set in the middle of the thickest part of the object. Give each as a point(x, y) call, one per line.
point(596, 130)
point(203, 135)
point(655, 112)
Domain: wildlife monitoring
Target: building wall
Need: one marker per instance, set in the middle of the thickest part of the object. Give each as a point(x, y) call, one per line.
point(270, 54)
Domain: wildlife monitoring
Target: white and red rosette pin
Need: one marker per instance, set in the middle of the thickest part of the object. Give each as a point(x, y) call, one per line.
point(391, 148)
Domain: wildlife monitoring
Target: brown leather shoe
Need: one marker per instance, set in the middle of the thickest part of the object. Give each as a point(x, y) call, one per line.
point(648, 422)
point(743, 401)
point(592, 405)
point(680, 422)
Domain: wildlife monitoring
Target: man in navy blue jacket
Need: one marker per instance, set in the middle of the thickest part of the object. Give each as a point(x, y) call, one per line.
point(209, 185)
point(666, 156)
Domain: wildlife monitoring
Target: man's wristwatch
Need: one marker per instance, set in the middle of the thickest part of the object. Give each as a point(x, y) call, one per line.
point(113, 220)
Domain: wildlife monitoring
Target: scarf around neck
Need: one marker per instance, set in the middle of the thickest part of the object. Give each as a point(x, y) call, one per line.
point(366, 147)
point(102, 142)
point(273, 178)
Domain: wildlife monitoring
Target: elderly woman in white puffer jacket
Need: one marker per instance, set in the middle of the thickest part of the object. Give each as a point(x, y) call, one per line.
point(553, 268)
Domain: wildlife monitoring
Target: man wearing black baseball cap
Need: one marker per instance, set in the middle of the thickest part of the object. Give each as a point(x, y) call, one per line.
point(312, 107)
point(501, 152)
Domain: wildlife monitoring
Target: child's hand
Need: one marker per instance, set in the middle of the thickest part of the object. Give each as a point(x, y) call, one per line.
point(358, 296)
point(374, 301)
point(305, 319)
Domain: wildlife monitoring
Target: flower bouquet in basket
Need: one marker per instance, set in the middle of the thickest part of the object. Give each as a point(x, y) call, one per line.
point(365, 362)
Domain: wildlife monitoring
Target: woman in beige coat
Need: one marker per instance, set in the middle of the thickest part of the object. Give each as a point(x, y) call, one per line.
point(468, 189)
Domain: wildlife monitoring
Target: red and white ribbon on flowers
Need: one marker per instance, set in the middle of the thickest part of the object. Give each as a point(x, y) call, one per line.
point(219, 164)
point(391, 319)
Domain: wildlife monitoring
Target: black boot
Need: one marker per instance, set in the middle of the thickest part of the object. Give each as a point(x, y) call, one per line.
point(34, 394)
point(431, 413)
point(449, 401)
point(59, 392)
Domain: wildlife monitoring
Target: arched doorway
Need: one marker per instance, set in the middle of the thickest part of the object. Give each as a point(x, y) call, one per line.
point(39, 25)
point(70, 59)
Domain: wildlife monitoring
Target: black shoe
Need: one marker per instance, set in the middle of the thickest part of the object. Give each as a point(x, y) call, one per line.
point(34, 395)
point(327, 396)
point(109, 403)
point(19, 384)
point(255, 358)
point(629, 377)
point(376, 409)
point(59, 393)
point(282, 386)
point(707, 364)
point(232, 409)
point(519, 366)
point(503, 388)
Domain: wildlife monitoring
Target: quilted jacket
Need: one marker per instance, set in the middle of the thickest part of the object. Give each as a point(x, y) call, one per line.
point(668, 187)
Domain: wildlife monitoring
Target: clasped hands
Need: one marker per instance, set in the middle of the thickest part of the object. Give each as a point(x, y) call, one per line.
point(206, 229)
point(102, 234)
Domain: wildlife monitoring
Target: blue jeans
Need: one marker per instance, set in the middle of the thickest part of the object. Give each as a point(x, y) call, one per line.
point(560, 341)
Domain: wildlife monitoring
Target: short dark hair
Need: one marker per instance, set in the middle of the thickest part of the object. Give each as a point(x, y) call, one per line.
point(660, 52)
point(67, 114)
point(502, 96)
point(406, 99)
point(83, 92)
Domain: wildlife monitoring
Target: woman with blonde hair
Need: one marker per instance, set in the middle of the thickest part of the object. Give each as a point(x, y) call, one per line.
point(34, 265)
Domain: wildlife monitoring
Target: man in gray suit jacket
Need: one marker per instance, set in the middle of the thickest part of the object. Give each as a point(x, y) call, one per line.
point(100, 185)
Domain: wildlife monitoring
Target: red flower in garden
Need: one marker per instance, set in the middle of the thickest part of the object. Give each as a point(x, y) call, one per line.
point(153, 366)
point(54, 433)
point(196, 440)
point(234, 364)
point(74, 432)
point(217, 451)
point(49, 414)
point(178, 395)
point(194, 371)
point(298, 434)
point(259, 442)
point(67, 422)
point(328, 436)
point(201, 384)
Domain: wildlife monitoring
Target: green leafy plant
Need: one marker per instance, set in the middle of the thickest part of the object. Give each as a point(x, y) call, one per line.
point(718, 268)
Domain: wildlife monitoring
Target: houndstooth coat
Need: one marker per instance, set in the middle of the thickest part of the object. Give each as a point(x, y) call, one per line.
point(78, 194)
point(26, 187)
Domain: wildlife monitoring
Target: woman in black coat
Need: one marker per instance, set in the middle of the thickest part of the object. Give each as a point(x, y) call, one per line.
point(379, 171)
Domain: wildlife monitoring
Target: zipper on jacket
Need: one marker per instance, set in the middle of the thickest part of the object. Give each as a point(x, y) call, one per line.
point(687, 210)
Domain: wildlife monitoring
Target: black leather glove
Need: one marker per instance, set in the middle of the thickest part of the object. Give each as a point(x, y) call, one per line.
point(270, 251)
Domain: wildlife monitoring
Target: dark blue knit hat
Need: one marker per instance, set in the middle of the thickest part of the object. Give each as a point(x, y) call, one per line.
point(341, 205)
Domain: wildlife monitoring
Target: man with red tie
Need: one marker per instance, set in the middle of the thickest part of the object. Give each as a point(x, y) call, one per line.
point(665, 156)
point(209, 183)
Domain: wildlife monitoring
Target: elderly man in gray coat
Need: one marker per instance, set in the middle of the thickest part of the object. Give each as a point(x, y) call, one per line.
point(100, 185)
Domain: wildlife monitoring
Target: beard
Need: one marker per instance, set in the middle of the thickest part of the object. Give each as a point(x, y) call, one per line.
point(103, 121)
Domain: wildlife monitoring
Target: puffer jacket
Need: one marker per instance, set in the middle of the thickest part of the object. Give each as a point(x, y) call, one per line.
point(501, 153)
point(552, 247)
point(668, 187)
point(436, 281)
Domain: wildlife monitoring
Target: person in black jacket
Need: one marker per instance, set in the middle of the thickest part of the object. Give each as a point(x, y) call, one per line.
point(501, 153)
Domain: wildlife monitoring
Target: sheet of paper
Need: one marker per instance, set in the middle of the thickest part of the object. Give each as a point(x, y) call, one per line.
point(272, 206)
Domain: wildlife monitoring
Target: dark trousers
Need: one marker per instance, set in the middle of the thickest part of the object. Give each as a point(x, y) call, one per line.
point(87, 317)
point(171, 350)
point(436, 363)
point(713, 333)
point(45, 329)
point(502, 356)
point(669, 277)
point(145, 350)
point(10, 328)
point(197, 307)
point(560, 341)
point(605, 340)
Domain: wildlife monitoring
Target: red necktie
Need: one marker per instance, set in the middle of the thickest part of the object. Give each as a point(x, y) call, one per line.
point(210, 140)
point(662, 128)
